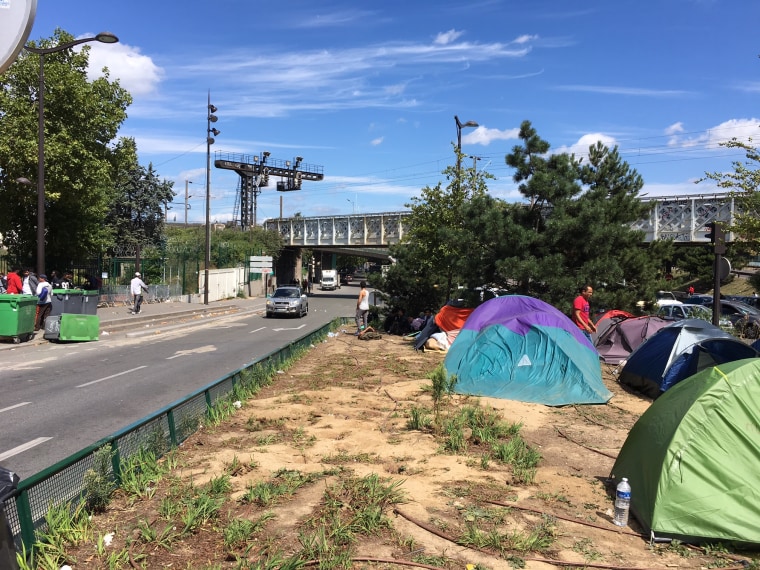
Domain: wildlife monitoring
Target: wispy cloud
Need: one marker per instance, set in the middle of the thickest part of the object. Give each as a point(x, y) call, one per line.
point(632, 91)
point(378, 141)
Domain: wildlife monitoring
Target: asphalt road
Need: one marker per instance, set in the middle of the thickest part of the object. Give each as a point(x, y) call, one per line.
point(56, 399)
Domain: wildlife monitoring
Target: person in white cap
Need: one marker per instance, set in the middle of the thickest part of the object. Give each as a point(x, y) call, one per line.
point(136, 287)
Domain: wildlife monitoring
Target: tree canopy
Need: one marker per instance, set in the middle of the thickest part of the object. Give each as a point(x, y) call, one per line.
point(574, 228)
point(82, 118)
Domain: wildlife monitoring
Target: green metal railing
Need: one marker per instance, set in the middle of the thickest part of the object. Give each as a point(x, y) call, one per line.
point(170, 426)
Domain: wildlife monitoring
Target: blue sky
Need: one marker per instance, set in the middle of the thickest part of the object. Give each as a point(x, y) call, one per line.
point(369, 90)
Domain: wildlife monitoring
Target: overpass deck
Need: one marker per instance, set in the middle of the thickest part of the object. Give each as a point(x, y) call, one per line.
point(682, 219)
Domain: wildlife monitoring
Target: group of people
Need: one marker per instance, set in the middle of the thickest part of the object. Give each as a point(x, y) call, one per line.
point(27, 282)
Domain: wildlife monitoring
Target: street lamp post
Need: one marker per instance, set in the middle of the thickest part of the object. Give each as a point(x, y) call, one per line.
point(103, 37)
point(460, 126)
point(211, 118)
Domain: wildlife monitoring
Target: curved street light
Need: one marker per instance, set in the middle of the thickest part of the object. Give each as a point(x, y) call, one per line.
point(103, 37)
point(460, 126)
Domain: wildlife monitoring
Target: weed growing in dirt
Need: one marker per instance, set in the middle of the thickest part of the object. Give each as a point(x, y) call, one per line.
point(98, 480)
point(285, 483)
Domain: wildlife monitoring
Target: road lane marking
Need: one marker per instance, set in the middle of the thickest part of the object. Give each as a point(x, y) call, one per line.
point(111, 376)
point(290, 329)
point(199, 350)
point(24, 447)
point(14, 407)
point(256, 330)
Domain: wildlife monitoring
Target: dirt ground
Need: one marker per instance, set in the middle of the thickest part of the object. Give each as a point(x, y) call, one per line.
point(347, 404)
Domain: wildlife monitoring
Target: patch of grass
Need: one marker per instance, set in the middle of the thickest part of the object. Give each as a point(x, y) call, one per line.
point(419, 419)
point(341, 458)
point(285, 483)
point(585, 546)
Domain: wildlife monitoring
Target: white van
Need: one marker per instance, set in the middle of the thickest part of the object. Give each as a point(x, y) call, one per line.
point(330, 280)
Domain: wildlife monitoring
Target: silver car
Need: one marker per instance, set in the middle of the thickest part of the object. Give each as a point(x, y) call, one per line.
point(685, 311)
point(288, 300)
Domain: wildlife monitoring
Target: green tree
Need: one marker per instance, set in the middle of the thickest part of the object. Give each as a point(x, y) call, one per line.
point(437, 223)
point(139, 199)
point(744, 186)
point(81, 119)
point(580, 216)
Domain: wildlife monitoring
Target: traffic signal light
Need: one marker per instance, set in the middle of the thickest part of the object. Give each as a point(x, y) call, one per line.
point(717, 236)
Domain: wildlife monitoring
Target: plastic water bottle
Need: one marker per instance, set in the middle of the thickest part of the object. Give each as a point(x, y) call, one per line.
point(622, 502)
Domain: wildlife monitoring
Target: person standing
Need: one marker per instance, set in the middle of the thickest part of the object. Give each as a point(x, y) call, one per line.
point(362, 308)
point(581, 311)
point(45, 302)
point(15, 285)
point(29, 283)
point(136, 287)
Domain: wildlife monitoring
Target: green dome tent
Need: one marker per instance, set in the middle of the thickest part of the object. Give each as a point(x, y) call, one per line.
point(693, 457)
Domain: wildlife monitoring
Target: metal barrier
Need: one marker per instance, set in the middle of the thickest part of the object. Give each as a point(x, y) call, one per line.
point(119, 296)
point(169, 426)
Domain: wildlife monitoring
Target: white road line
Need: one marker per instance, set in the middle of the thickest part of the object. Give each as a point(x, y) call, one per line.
point(24, 447)
point(111, 376)
point(256, 330)
point(14, 407)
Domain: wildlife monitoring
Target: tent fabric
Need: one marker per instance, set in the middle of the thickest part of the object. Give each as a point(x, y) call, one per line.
point(451, 318)
point(692, 458)
point(624, 337)
point(521, 348)
point(607, 320)
point(678, 351)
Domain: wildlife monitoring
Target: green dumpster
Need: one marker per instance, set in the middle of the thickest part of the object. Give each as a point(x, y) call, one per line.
point(79, 327)
point(17, 315)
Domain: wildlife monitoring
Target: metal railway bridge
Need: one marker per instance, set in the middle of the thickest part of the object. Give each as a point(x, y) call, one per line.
point(682, 219)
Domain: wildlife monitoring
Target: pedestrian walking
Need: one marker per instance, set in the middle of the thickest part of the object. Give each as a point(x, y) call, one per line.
point(45, 302)
point(136, 287)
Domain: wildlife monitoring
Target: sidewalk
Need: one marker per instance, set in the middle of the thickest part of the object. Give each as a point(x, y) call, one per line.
point(156, 317)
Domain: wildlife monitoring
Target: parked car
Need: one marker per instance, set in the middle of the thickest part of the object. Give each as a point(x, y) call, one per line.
point(685, 311)
point(746, 319)
point(666, 298)
point(288, 300)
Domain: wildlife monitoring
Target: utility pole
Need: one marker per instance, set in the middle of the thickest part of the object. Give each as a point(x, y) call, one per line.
point(187, 183)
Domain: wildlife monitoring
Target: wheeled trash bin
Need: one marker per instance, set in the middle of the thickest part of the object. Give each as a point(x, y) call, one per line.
point(17, 316)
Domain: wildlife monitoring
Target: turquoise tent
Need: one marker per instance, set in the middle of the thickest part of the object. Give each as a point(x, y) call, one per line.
point(520, 348)
point(693, 457)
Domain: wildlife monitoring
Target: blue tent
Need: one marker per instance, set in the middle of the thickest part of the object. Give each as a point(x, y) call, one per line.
point(678, 351)
point(520, 348)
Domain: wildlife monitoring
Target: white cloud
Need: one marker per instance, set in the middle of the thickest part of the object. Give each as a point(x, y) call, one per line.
point(632, 91)
point(580, 148)
point(136, 72)
point(484, 136)
point(743, 130)
point(377, 141)
point(445, 38)
point(674, 129)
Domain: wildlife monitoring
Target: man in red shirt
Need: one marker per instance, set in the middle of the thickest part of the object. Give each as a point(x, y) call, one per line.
point(581, 311)
point(14, 282)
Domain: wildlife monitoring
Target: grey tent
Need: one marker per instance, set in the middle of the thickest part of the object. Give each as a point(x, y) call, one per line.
point(625, 336)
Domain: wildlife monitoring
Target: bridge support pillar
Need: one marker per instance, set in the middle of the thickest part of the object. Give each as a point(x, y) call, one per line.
point(289, 266)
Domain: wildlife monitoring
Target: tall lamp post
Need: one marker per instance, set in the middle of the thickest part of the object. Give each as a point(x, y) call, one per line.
point(103, 37)
point(460, 126)
point(211, 118)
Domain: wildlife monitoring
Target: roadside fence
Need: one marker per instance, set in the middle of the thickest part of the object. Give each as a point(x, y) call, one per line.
point(159, 432)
